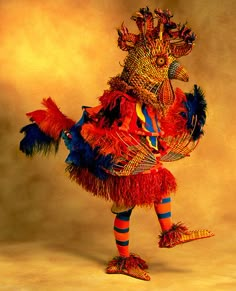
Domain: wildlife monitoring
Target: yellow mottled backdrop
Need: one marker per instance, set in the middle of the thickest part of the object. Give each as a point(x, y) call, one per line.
point(54, 235)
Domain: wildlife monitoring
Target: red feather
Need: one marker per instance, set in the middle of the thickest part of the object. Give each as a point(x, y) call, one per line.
point(51, 121)
point(173, 123)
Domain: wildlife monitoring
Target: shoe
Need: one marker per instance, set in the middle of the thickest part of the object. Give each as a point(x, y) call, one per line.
point(179, 234)
point(132, 266)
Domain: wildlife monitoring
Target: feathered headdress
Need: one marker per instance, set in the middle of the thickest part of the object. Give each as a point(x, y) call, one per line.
point(177, 38)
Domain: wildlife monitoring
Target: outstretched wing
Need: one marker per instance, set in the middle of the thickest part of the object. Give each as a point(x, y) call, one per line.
point(183, 144)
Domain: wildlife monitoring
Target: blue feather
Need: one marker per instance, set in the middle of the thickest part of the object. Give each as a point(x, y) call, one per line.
point(36, 141)
point(84, 156)
point(196, 107)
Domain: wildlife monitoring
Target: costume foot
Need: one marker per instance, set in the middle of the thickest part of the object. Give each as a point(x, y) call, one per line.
point(179, 234)
point(132, 266)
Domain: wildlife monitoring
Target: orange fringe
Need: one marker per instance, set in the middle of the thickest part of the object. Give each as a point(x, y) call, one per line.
point(172, 236)
point(127, 263)
point(141, 189)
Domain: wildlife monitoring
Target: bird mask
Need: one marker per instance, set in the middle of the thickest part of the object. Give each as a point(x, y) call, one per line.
point(151, 62)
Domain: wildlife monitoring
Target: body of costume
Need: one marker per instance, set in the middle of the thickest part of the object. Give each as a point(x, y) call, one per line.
point(118, 148)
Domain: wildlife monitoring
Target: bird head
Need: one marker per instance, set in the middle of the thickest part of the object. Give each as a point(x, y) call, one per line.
point(152, 62)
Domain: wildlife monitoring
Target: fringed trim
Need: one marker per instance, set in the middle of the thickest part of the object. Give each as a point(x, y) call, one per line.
point(148, 98)
point(104, 139)
point(133, 261)
point(116, 83)
point(51, 121)
point(170, 238)
point(140, 189)
point(129, 154)
point(179, 234)
point(132, 266)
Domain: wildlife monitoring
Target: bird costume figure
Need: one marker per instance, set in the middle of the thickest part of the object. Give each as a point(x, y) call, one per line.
point(118, 148)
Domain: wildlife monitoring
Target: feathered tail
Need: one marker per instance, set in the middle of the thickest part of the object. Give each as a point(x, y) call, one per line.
point(44, 133)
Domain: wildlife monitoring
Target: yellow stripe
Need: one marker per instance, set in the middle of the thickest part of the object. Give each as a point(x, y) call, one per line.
point(140, 113)
point(142, 118)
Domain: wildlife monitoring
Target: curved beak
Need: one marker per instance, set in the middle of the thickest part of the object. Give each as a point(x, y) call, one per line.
point(178, 72)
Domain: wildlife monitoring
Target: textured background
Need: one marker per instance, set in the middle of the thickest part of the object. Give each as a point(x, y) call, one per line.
point(54, 235)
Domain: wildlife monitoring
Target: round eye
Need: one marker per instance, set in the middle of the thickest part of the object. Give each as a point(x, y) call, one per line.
point(161, 61)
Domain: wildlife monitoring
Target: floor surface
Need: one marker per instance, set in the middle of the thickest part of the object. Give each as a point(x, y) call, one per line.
point(78, 263)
